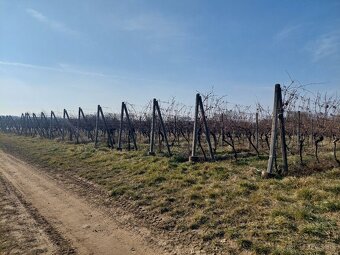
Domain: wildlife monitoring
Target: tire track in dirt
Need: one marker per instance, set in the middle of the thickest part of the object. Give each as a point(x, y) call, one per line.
point(89, 230)
point(27, 232)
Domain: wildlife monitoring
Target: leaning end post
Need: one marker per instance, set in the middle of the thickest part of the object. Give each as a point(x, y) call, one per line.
point(257, 129)
point(163, 128)
point(51, 119)
point(152, 133)
point(121, 128)
point(207, 132)
point(131, 133)
point(193, 156)
point(97, 123)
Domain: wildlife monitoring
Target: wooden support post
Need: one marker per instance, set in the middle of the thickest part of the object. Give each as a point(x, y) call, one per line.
point(207, 132)
point(27, 131)
point(38, 124)
point(163, 127)
point(152, 134)
point(22, 123)
point(131, 131)
point(298, 129)
point(87, 123)
point(63, 125)
point(312, 129)
point(159, 139)
point(121, 127)
point(278, 114)
point(26, 124)
point(283, 135)
point(199, 106)
point(222, 130)
point(8, 125)
point(110, 141)
point(257, 130)
point(15, 124)
point(45, 122)
point(5, 124)
point(176, 131)
point(78, 126)
point(140, 125)
point(30, 125)
point(131, 128)
point(51, 119)
point(193, 157)
point(57, 123)
point(273, 137)
point(128, 141)
point(71, 128)
point(97, 123)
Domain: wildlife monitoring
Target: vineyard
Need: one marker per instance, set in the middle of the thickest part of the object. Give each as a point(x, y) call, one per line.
point(212, 130)
point(170, 127)
point(215, 178)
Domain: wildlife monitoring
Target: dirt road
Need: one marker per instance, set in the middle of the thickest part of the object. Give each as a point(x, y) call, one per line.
point(60, 221)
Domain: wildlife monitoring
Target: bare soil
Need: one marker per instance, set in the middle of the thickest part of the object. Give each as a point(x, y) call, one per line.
point(22, 229)
point(41, 214)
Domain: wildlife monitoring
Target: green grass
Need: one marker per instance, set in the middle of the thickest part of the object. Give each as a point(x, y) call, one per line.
point(225, 204)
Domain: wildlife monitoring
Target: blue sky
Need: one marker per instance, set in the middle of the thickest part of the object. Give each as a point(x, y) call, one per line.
point(70, 53)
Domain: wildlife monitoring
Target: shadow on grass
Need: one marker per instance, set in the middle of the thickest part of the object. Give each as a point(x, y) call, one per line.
point(310, 167)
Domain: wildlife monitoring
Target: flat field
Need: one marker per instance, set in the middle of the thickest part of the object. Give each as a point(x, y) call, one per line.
point(221, 207)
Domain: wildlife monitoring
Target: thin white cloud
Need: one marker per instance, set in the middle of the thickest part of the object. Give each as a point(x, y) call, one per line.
point(63, 68)
point(147, 25)
point(153, 24)
point(287, 32)
point(58, 26)
point(325, 46)
point(66, 68)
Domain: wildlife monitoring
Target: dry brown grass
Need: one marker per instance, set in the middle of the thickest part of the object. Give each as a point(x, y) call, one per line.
point(225, 206)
